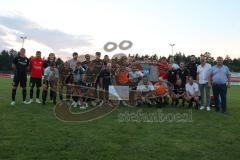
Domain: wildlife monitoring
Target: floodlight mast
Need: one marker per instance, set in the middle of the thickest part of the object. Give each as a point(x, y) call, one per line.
point(23, 40)
point(172, 45)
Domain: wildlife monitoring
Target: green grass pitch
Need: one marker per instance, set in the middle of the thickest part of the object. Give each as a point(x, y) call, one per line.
point(33, 132)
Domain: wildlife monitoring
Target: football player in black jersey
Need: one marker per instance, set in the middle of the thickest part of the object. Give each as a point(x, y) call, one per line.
point(192, 67)
point(182, 74)
point(20, 67)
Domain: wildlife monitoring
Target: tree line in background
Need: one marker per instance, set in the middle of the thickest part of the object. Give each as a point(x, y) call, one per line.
point(6, 59)
point(233, 64)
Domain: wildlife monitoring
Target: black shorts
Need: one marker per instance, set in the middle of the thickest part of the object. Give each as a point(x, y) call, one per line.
point(20, 79)
point(35, 81)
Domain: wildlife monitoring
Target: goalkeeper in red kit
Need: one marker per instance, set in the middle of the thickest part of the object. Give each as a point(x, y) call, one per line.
point(36, 72)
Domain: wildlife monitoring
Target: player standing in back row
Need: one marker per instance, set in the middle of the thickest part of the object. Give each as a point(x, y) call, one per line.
point(36, 71)
point(20, 66)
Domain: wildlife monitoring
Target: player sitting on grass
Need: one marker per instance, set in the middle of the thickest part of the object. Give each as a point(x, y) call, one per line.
point(51, 76)
point(192, 93)
point(178, 92)
point(162, 91)
point(145, 90)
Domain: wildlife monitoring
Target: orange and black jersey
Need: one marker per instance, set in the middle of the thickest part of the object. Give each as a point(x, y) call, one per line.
point(122, 76)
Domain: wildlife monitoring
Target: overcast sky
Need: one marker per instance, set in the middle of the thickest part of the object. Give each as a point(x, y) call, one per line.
point(85, 26)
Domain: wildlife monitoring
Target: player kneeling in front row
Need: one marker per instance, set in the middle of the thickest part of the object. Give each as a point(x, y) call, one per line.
point(162, 92)
point(145, 90)
point(192, 93)
point(51, 76)
point(178, 92)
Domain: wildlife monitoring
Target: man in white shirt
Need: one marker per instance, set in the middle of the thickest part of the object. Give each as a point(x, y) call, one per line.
point(192, 92)
point(51, 76)
point(145, 90)
point(203, 71)
point(73, 62)
point(135, 75)
point(145, 86)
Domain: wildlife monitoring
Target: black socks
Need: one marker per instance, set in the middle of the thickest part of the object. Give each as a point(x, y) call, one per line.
point(14, 94)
